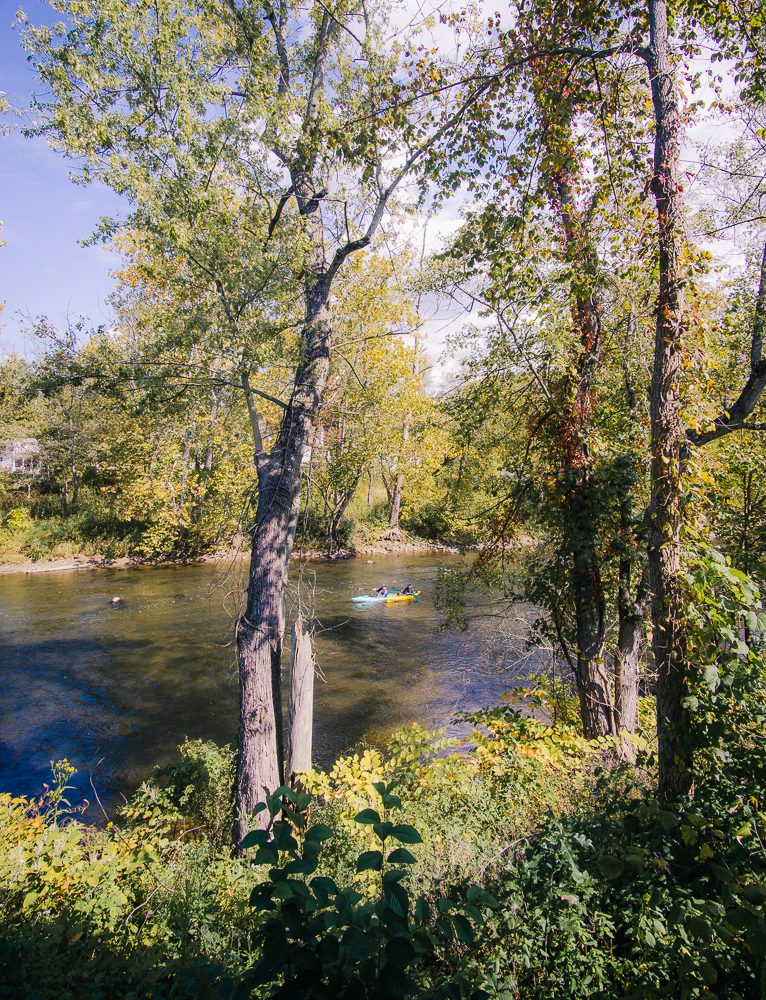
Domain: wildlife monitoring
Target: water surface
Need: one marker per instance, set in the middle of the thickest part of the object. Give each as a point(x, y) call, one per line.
point(116, 689)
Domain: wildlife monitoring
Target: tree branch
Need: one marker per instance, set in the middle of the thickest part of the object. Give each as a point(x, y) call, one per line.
point(734, 418)
point(254, 422)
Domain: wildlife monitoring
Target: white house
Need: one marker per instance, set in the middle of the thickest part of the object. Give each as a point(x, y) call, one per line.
point(21, 456)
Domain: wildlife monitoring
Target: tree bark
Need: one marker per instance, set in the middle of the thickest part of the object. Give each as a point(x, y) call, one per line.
point(664, 547)
point(301, 709)
point(592, 677)
point(630, 638)
point(394, 532)
point(260, 762)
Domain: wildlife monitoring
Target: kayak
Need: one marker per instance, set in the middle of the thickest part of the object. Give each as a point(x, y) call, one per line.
point(390, 599)
point(394, 598)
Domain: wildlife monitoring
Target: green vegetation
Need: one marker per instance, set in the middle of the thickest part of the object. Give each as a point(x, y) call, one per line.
point(523, 862)
point(267, 374)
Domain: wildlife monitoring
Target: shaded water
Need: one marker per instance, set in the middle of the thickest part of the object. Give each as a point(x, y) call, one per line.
point(115, 689)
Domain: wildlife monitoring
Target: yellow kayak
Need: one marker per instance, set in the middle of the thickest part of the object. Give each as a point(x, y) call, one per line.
point(389, 598)
point(395, 598)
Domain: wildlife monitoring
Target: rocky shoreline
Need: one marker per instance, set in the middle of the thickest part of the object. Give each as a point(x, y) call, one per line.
point(78, 563)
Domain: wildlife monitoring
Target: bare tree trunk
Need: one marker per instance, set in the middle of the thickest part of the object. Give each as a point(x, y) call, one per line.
point(664, 549)
point(260, 629)
point(301, 709)
point(630, 638)
point(394, 532)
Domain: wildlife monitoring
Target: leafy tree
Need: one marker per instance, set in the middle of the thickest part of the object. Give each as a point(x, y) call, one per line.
point(175, 105)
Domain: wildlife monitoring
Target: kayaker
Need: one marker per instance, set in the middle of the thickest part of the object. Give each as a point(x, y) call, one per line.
point(381, 591)
point(408, 591)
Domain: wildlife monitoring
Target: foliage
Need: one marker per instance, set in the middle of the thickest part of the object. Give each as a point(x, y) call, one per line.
point(637, 900)
point(194, 793)
point(321, 940)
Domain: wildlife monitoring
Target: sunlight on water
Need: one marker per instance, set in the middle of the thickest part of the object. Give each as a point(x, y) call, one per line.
point(116, 687)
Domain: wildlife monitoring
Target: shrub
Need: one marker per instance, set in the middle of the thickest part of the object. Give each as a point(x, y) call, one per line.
point(194, 793)
point(323, 941)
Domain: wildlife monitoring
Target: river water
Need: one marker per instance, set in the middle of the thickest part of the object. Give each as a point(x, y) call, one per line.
point(116, 689)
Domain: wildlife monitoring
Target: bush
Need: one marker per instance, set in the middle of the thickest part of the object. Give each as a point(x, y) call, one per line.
point(195, 793)
point(323, 941)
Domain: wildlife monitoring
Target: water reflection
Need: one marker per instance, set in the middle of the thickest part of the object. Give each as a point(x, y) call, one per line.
point(116, 687)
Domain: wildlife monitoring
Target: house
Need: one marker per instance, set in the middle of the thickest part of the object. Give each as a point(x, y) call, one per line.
point(21, 456)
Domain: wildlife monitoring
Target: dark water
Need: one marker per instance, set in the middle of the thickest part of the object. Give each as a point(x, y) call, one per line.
point(115, 689)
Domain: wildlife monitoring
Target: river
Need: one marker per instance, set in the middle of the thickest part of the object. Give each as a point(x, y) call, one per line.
point(116, 688)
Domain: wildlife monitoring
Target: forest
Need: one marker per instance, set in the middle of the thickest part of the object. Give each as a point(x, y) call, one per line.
point(580, 187)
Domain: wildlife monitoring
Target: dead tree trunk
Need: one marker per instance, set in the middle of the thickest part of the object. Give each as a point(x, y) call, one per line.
point(301, 708)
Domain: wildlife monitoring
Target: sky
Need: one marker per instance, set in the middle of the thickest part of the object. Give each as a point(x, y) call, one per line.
point(43, 270)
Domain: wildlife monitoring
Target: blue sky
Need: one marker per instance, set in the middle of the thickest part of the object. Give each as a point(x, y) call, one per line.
point(43, 271)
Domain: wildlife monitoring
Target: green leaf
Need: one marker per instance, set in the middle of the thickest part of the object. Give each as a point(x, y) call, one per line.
point(406, 834)
point(369, 861)
point(395, 875)
point(318, 832)
point(323, 888)
point(397, 898)
point(668, 820)
point(401, 856)
point(400, 951)
point(422, 910)
point(609, 865)
point(475, 894)
point(463, 928)
point(256, 838)
point(367, 816)
point(266, 856)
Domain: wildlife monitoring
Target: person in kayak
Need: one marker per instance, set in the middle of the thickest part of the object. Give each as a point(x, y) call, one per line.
point(408, 591)
point(380, 592)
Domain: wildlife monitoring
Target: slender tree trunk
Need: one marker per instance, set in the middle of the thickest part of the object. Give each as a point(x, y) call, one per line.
point(593, 681)
point(260, 762)
point(594, 684)
point(630, 637)
point(334, 521)
point(396, 496)
point(396, 508)
point(664, 549)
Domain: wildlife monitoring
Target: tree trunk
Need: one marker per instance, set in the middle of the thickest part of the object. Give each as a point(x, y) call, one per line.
point(592, 675)
point(396, 508)
point(630, 637)
point(260, 629)
point(301, 710)
point(335, 518)
point(664, 548)
point(581, 499)
point(396, 498)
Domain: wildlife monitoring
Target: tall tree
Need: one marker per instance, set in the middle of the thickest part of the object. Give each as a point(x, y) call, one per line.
point(174, 104)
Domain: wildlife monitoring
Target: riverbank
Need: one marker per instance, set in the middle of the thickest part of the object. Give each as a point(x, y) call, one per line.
point(79, 563)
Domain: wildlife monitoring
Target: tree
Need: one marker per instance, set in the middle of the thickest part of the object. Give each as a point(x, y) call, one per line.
point(177, 105)
point(543, 256)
